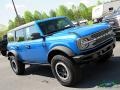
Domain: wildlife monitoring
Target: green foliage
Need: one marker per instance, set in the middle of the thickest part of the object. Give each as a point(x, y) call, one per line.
point(37, 15)
point(52, 13)
point(19, 21)
point(28, 17)
point(44, 15)
point(62, 11)
point(11, 25)
point(74, 13)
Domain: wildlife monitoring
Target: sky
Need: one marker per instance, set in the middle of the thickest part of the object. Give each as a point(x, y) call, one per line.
point(7, 12)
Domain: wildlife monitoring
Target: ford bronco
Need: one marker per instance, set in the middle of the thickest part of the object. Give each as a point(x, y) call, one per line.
point(56, 41)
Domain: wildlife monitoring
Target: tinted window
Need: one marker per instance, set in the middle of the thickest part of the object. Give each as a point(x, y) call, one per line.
point(20, 35)
point(55, 25)
point(32, 33)
point(11, 36)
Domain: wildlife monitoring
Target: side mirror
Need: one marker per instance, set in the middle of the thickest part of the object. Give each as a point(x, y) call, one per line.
point(35, 36)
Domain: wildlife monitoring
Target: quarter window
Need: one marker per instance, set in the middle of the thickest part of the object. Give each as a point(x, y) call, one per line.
point(20, 35)
point(32, 33)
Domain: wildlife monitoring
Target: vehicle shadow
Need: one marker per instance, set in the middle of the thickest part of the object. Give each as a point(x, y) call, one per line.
point(42, 70)
point(97, 75)
point(93, 74)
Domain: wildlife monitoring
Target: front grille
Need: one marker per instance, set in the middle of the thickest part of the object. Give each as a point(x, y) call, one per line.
point(96, 35)
point(98, 41)
point(101, 36)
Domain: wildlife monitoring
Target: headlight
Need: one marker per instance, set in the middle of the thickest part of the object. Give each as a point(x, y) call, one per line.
point(83, 43)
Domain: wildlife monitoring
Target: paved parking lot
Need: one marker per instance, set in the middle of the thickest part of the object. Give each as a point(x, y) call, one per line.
point(95, 76)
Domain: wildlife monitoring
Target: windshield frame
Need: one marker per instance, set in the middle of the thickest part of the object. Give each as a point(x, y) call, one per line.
point(49, 21)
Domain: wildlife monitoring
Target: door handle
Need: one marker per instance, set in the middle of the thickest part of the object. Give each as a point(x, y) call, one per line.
point(28, 46)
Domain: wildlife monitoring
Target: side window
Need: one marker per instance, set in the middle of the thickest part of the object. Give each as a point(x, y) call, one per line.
point(32, 33)
point(11, 36)
point(20, 35)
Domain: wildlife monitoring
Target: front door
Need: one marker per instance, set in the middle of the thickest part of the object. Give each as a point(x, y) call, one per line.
point(36, 51)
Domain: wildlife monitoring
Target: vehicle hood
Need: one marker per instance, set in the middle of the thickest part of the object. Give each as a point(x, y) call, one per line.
point(83, 31)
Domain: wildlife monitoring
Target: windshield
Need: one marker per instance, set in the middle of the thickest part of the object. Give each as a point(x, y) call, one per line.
point(55, 25)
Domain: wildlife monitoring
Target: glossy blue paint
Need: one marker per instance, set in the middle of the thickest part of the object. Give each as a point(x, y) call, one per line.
point(39, 49)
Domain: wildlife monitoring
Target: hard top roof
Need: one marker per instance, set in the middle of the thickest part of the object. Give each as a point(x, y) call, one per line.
point(34, 22)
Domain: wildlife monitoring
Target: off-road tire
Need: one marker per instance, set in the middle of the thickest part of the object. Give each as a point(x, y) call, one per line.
point(73, 73)
point(17, 66)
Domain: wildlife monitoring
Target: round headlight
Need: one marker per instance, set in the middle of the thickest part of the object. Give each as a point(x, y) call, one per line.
point(83, 43)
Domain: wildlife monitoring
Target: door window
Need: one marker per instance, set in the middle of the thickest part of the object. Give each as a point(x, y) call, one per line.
point(20, 35)
point(32, 33)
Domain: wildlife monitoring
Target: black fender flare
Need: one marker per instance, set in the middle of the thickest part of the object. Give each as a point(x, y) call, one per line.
point(12, 52)
point(63, 49)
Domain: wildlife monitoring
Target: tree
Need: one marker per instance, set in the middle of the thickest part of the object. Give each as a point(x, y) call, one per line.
point(70, 14)
point(19, 21)
point(28, 16)
point(37, 15)
point(22, 20)
point(11, 25)
point(52, 13)
point(90, 12)
point(44, 15)
point(83, 10)
point(62, 11)
point(76, 13)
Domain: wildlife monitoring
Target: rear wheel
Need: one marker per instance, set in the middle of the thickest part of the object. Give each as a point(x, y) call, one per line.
point(4, 53)
point(17, 66)
point(65, 71)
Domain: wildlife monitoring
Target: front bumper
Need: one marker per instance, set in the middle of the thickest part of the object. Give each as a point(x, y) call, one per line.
point(94, 55)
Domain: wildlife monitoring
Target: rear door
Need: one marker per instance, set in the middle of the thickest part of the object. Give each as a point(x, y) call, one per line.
point(19, 45)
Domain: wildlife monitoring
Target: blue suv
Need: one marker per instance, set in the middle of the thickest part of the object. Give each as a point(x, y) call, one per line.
point(56, 41)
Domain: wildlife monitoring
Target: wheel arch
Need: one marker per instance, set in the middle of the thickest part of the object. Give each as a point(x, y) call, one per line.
point(12, 52)
point(60, 50)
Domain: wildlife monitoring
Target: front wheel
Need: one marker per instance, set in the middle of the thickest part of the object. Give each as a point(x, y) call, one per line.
point(65, 71)
point(17, 66)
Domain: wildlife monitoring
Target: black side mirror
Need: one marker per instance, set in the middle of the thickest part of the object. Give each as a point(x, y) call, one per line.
point(35, 36)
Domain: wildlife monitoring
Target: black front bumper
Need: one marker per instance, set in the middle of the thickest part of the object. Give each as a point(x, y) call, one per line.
point(94, 55)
